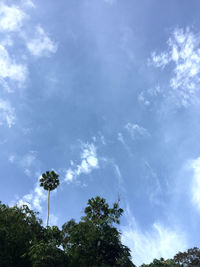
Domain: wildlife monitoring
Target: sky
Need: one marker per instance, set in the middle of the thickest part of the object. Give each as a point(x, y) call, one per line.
point(107, 94)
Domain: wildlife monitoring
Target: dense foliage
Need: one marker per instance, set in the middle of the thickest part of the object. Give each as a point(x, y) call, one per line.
point(25, 242)
point(94, 241)
point(182, 259)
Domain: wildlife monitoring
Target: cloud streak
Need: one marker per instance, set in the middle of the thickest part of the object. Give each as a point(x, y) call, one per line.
point(7, 113)
point(195, 185)
point(183, 55)
point(159, 241)
point(136, 131)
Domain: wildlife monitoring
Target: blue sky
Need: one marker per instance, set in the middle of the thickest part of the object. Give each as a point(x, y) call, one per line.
point(106, 93)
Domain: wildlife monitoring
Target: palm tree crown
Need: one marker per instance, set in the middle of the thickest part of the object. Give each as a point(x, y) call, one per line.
point(49, 180)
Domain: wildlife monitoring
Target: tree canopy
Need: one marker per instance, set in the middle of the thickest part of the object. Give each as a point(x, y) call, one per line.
point(23, 239)
point(49, 180)
point(94, 241)
point(182, 259)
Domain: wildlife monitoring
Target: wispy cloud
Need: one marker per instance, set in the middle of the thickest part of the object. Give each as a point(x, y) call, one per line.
point(13, 68)
point(148, 96)
point(41, 45)
point(136, 131)
point(183, 56)
point(89, 162)
point(195, 195)
point(159, 241)
point(28, 3)
point(7, 113)
point(28, 162)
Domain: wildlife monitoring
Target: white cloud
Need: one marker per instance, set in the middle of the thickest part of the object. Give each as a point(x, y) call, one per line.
point(7, 113)
point(34, 199)
point(39, 196)
point(11, 17)
point(136, 131)
point(89, 162)
point(9, 69)
point(28, 3)
point(25, 200)
point(159, 242)
point(195, 193)
point(183, 55)
point(21, 202)
point(69, 175)
point(13, 70)
point(160, 60)
point(41, 45)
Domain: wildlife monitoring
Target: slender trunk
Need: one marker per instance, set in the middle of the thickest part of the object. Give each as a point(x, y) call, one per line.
point(48, 208)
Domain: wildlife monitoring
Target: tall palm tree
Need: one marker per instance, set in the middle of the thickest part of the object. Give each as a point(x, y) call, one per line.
point(49, 181)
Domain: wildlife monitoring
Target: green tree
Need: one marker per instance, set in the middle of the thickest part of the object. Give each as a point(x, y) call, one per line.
point(189, 258)
point(44, 254)
point(160, 263)
point(25, 242)
point(49, 181)
point(98, 212)
point(19, 230)
point(94, 241)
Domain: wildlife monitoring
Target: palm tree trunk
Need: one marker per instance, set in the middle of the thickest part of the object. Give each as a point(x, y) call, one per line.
point(48, 208)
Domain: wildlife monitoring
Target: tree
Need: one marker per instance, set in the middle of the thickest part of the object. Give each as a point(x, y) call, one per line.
point(94, 241)
point(98, 212)
point(44, 254)
point(19, 230)
point(189, 258)
point(160, 263)
point(49, 181)
point(25, 242)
